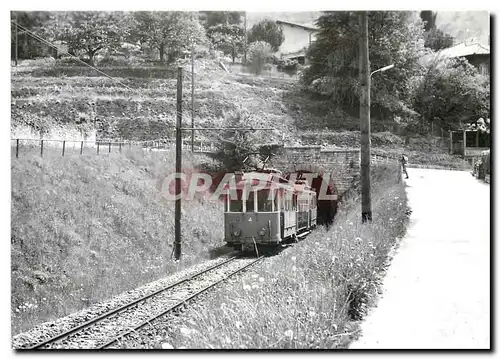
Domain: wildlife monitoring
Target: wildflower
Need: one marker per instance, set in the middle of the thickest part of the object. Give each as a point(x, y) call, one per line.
point(294, 258)
point(289, 334)
point(261, 279)
point(359, 240)
point(187, 331)
point(246, 287)
point(166, 346)
point(255, 286)
point(238, 324)
point(254, 276)
point(294, 268)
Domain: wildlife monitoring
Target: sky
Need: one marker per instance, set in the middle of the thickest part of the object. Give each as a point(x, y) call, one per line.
point(462, 25)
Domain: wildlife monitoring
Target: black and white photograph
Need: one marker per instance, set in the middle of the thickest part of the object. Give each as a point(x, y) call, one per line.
point(244, 180)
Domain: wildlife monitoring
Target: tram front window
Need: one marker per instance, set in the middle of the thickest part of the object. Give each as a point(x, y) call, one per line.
point(236, 204)
point(264, 201)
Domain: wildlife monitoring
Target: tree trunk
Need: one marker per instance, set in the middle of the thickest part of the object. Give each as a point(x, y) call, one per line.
point(162, 52)
point(91, 57)
point(233, 53)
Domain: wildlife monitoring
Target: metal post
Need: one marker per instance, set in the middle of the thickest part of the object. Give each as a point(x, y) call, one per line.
point(178, 164)
point(17, 148)
point(364, 112)
point(192, 99)
point(109, 147)
point(64, 147)
point(451, 142)
point(41, 148)
point(81, 148)
point(98, 143)
point(120, 147)
point(465, 141)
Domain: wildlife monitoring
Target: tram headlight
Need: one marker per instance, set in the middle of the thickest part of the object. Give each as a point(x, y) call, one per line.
point(237, 232)
point(262, 231)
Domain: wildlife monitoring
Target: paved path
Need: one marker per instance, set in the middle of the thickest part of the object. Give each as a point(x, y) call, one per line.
point(437, 289)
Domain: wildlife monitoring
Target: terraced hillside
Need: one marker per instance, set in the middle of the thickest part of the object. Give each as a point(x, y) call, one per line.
point(140, 104)
point(49, 93)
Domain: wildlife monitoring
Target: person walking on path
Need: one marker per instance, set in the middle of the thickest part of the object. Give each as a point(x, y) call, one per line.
point(404, 163)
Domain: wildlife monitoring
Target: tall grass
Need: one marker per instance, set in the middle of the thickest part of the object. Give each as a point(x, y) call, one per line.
point(84, 228)
point(310, 296)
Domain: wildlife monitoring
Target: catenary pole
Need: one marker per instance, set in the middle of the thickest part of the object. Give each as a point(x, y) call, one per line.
point(245, 43)
point(16, 39)
point(192, 98)
point(364, 114)
point(178, 164)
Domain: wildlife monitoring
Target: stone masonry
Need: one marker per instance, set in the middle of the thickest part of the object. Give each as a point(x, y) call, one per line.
point(341, 164)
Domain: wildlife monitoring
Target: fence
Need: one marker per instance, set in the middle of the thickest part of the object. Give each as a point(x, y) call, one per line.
point(107, 146)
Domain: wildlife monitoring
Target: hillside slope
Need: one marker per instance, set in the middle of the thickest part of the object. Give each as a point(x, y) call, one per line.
point(52, 93)
point(84, 228)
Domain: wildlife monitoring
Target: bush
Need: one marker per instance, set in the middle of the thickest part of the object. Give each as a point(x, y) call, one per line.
point(452, 91)
point(259, 54)
point(288, 65)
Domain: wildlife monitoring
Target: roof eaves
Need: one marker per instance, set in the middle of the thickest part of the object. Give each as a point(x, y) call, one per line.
point(298, 25)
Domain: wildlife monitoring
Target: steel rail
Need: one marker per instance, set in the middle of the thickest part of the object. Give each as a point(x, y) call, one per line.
point(127, 306)
point(177, 305)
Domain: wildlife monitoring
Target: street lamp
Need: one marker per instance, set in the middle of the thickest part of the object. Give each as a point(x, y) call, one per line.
point(383, 69)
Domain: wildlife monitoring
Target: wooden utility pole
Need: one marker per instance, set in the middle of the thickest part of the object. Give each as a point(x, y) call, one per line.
point(245, 43)
point(178, 164)
point(16, 39)
point(192, 98)
point(364, 114)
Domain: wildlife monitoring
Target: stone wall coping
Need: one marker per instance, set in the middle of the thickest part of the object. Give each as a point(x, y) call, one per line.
point(298, 147)
point(340, 150)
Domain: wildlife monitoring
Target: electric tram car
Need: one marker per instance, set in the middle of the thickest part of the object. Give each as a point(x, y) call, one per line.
point(262, 208)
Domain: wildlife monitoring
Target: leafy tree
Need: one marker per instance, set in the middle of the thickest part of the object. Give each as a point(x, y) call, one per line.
point(88, 32)
point(214, 18)
point(27, 46)
point(268, 31)
point(227, 37)
point(435, 38)
point(259, 53)
point(452, 91)
point(168, 31)
point(395, 37)
point(429, 19)
point(236, 144)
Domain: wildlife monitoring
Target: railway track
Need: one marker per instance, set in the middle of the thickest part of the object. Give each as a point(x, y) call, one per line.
point(109, 328)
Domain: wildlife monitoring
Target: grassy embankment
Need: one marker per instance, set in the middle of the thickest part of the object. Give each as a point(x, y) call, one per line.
point(310, 296)
point(84, 228)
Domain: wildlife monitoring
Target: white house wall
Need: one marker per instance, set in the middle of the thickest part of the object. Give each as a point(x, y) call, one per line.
point(296, 38)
